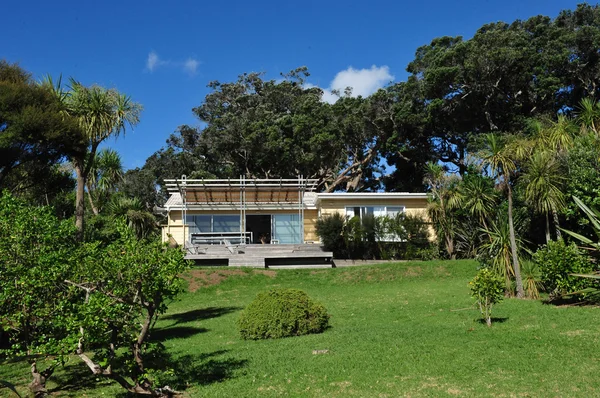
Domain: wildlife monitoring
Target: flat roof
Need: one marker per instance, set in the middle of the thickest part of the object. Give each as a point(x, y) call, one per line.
point(372, 195)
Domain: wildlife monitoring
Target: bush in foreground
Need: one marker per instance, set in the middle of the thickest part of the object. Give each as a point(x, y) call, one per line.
point(282, 313)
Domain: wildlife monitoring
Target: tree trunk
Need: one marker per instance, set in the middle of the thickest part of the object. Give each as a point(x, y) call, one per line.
point(450, 247)
point(80, 197)
point(547, 228)
point(556, 225)
point(94, 208)
point(38, 384)
point(513, 245)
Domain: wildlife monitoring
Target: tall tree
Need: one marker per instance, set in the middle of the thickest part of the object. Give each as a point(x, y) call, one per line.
point(497, 157)
point(105, 174)
point(101, 113)
point(543, 180)
point(34, 137)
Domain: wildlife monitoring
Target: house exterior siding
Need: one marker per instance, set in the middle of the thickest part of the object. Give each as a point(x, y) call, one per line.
point(326, 204)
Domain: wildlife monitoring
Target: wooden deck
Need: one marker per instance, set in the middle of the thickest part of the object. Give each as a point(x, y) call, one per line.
point(263, 256)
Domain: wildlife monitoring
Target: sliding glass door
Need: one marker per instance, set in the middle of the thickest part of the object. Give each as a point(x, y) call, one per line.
point(287, 228)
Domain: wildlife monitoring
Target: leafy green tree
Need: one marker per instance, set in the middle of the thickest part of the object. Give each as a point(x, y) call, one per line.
point(127, 286)
point(487, 290)
point(34, 137)
point(37, 253)
point(479, 197)
point(498, 249)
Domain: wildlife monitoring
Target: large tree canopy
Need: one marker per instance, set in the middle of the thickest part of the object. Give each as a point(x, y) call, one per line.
point(34, 136)
point(272, 129)
point(457, 90)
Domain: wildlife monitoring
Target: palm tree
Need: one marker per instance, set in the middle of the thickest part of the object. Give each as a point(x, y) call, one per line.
point(479, 197)
point(588, 115)
point(445, 197)
point(543, 181)
point(105, 174)
point(498, 158)
point(133, 211)
point(101, 113)
point(499, 248)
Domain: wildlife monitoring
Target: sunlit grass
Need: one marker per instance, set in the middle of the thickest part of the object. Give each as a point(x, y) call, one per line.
point(405, 329)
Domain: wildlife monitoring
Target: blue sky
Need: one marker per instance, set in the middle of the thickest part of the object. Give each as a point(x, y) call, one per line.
point(164, 53)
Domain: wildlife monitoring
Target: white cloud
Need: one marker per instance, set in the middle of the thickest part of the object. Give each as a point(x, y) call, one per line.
point(363, 82)
point(191, 65)
point(153, 61)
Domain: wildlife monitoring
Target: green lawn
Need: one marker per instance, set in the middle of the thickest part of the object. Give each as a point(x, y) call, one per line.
point(405, 329)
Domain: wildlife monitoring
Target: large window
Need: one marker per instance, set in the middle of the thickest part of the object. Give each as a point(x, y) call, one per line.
point(213, 223)
point(376, 211)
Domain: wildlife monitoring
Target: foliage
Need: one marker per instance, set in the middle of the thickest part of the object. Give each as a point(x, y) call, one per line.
point(105, 174)
point(100, 113)
point(487, 288)
point(329, 229)
point(37, 253)
point(137, 217)
point(282, 313)
point(544, 191)
point(594, 248)
point(583, 163)
point(497, 250)
point(34, 138)
point(127, 286)
point(558, 261)
point(405, 236)
point(60, 297)
point(532, 279)
point(445, 198)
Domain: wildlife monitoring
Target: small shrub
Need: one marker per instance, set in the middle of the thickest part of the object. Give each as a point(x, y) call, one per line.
point(488, 289)
point(330, 229)
point(532, 279)
point(557, 261)
point(282, 313)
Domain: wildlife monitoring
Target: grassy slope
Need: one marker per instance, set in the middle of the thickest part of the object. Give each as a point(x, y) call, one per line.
point(396, 330)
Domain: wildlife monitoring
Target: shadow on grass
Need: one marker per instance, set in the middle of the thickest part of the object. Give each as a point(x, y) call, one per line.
point(572, 301)
point(175, 332)
point(10, 386)
point(494, 320)
point(184, 371)
point(75, 377)
point(200, 314)
point(179, 372)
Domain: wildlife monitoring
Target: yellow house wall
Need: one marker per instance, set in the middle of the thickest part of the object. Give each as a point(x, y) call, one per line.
point(412, 206)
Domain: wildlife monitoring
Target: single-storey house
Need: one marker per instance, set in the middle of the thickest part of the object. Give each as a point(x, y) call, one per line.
point(244, 211)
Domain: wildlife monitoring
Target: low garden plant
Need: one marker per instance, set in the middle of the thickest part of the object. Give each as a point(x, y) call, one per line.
point(558, 261)
point(487, 288)
point(282, 313)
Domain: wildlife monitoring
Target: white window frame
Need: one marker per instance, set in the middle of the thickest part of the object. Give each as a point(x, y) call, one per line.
point(402, 209)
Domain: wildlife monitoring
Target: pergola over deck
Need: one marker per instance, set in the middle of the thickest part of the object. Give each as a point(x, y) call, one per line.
point(242, 194)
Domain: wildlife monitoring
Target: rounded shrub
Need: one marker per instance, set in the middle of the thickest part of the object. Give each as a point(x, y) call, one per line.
point(557, 262)
point(282, 313)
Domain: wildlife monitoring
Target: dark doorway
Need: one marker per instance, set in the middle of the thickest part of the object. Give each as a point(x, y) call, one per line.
point(260, 226)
